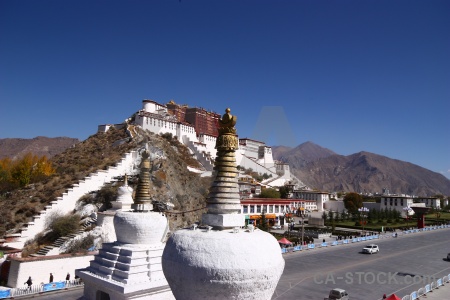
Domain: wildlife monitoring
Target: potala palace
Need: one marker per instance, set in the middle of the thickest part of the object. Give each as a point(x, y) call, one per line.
point(197, 129)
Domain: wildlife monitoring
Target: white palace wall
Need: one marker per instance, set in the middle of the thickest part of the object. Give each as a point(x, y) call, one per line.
point(39, 268)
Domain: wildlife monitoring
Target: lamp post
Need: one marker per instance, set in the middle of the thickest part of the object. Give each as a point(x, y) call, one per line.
point(438, 215)
point(363, 210)
point(407, 210)
point(302, 215)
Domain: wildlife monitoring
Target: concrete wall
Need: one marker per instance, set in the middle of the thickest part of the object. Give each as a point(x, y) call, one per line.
point(39, 268)
point(334, 205)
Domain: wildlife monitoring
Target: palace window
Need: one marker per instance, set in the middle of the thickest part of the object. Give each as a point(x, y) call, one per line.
point(252, 209)
point(258, 209)
point(245, 209)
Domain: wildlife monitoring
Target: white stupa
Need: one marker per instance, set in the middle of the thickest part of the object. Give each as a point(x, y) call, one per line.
point(124, 199)
point(224, 261)
point(105, 219)
point(130, 268)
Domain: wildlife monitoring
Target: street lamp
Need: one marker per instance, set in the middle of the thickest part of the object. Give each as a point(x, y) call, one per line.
point(407, 210)
point(438, 215)
point(302, 215)
point(362, 211)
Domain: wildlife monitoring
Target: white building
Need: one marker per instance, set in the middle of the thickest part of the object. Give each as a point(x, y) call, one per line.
point(400, 203)
point(320, 198)
point(252, 154)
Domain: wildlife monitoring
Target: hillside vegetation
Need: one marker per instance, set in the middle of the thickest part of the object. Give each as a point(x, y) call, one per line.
point(170, 176)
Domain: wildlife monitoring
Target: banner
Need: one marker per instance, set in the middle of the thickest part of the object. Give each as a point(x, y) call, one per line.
point(54, 286)
point(5, 293)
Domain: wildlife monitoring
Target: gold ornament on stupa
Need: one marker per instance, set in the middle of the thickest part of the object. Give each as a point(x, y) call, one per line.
point(142, 200)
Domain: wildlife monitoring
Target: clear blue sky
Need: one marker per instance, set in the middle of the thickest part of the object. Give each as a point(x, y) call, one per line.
point(350, 76)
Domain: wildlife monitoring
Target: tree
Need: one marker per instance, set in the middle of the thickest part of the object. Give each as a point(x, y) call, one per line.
point(269, 193)
point(353, 201)
point(28, 169)
point(284, 192)
point(324, 217)
point(263, 224)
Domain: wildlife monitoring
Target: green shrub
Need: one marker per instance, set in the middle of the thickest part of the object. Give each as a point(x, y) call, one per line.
point(62, 226)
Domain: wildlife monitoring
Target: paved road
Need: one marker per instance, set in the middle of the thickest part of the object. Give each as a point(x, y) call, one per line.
point(403, 265)
point(311, 274)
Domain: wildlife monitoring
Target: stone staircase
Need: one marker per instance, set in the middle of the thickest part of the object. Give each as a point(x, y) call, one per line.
point(60, 241)
point(67, 202)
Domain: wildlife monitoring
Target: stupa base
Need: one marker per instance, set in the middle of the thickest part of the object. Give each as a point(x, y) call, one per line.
point(223, 220)
point(96, 287)
point(222, 265)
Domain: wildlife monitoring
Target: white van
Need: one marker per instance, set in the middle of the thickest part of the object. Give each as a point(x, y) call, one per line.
point(338, 294)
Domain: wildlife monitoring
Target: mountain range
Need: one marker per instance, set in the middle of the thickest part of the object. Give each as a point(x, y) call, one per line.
point(318, 167)
point(362, 172)
point(41, 145)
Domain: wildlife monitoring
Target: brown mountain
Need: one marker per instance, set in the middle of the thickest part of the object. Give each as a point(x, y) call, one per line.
point(362, 172)
point(40, 146)
point(302, 154)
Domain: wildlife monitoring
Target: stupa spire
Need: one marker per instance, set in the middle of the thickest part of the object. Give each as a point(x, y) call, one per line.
point(142, 200)
point(223, 201)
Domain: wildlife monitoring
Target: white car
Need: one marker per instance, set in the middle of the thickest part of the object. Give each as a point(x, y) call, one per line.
point(276, 227)
point(372, 248)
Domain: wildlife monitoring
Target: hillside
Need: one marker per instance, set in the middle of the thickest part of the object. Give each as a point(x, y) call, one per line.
point(40, 146)
point(170, 176)
point(302, 154)
point(362, 172)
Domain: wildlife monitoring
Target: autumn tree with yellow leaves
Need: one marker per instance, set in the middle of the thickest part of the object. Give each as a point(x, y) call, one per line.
point(21, 172)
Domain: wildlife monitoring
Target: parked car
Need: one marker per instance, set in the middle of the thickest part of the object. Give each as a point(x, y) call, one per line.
point(337, 294)
point(276, 227)
point(372, 248)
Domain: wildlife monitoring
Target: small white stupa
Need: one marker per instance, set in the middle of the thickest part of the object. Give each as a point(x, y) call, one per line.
point(224, 261)
point(105, 219)
point(130, 268)
point(124, 199)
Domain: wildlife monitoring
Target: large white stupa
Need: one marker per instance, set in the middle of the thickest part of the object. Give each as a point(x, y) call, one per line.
point(130, 268)
point(224, 261)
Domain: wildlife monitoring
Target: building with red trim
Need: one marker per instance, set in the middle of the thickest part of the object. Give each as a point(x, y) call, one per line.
point(276, 210)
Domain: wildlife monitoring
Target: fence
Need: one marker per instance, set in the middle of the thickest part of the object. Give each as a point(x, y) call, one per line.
point(358, 239)
point(39, 288)
point(326, 244)
point(427, 288)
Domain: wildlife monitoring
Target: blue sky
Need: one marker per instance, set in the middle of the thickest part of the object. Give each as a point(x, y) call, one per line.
point(349, 76)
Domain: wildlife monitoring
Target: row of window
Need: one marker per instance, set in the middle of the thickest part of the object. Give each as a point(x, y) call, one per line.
point(395, 202)
point(259, 208)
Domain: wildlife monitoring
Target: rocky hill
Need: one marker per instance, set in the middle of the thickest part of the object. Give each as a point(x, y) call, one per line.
point(172, 181)
point(361, 172)
point(40, 146)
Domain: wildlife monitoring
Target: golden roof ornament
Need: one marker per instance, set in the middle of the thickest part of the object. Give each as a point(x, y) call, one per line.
point(227, 139)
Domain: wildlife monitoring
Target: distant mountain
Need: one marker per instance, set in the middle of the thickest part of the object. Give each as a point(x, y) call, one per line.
point(325, 170)
point(302, 154)
point(317, 167)
point(41, 145)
